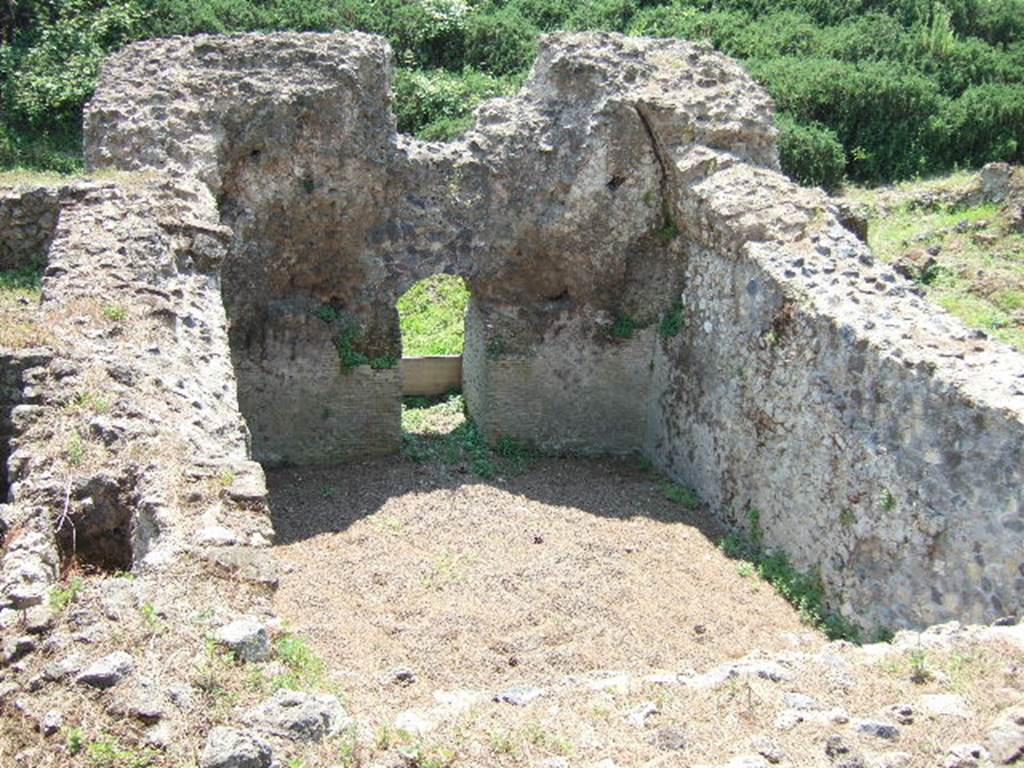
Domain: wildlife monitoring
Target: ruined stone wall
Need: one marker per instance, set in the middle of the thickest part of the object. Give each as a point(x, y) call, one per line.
point(13, 365)
point(876, 438)
point(631, 182)
point(128, 439)
point(27, 219)
point(569, 395)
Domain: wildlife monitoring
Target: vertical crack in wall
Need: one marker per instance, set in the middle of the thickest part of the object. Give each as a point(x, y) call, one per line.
point(668, 219)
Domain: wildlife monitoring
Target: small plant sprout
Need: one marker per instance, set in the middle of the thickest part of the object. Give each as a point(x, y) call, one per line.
point(888, 500)
point(919, 671)
point(63, 596)
point(115, 313)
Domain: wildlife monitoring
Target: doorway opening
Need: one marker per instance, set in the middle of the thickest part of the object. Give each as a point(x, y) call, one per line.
point(432, 319)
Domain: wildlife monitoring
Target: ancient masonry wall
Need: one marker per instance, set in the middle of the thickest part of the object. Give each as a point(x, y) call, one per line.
point(28, 216)
point(877, 438)
point(128, 441)
point(13, 367)
point(642, 277)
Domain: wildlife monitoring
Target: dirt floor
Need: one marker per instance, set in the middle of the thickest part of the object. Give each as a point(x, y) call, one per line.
point(602, 613)
point(575, 566)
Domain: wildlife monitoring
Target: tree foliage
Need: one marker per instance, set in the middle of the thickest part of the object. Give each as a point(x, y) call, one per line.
point(875, 90)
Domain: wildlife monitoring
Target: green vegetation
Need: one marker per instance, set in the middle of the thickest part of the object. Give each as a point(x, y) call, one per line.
point(672, 322)
point(348, 339)
point(623, 328)
point(967, 260)
point(432, 316)
point(685, 497)
point(27, 281)
point(108, 752)
point(438, 429)
point(804, 590)
point(63, 596)
point(872, 90)
point(115, 313)
point(304, 669)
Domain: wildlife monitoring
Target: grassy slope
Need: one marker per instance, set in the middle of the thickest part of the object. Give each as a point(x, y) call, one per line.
point(978, 274)
point(432, 316)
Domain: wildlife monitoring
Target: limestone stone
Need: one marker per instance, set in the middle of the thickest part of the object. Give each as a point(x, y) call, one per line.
point(232, 748)
point(246, 638)
point(1005, 738)
point(299, 716)
point(107, 671)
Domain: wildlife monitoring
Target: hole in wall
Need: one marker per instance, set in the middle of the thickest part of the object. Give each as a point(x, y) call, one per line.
point(96, 534)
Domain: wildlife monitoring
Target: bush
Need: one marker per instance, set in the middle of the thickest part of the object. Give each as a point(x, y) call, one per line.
point(986, 123)
point(501, 43)
point(604, 15)
point(47, 83)
point(898, 83)
point(880, 114)
point(872, 37)
point(811, 154)
point(434, 103)
point(545, 14)
point(429, 33)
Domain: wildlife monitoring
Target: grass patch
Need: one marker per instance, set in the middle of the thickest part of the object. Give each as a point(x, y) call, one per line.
point(432, 316)
point(108, 752)
point(20, 292)
point(978, 270)
point(438, 429)
point(685, 497)
point(803, 589)
point(305, 670)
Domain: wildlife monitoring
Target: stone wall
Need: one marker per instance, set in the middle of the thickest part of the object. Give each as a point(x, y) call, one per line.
point(28, 216)
point(128, 439)
point(13, 365)
point(642, 277)
point(877, 438)
point(28, 219)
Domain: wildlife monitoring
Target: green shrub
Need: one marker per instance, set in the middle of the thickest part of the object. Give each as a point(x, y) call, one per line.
point(871, 37)
point(501, 43)
point(48, 82)
point(428, 99)
point(810, 154)
point(986, 123)
point(604, 15)
point(545, 14)
point(893, 80)
point(879, 113)
point(429, 33)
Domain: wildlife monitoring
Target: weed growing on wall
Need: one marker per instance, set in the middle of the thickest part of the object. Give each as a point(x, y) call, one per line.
point(672, 322)
point(623, 328)
point(803, 589)
point(346, 341)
